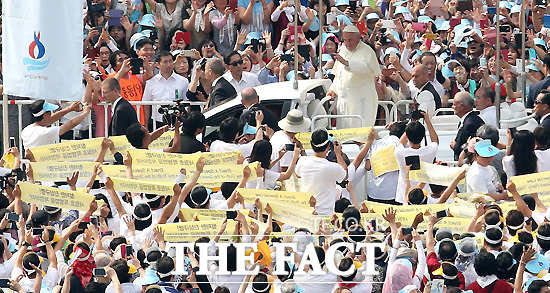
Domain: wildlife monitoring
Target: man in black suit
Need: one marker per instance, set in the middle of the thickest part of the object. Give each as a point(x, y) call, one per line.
point(535, 88)
point(251, 103)
point(221, 88)
point(122, 113)
point(463, 105)
point(542, 108)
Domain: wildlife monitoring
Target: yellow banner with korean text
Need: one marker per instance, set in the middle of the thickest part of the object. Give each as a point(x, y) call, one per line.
point(191, 231)
point(341, 135)
point(435, 174)
point(532, 183)
point(52, 171)
point(384, 161)
point(66, 199)
point(272, 196)
point(140, 186)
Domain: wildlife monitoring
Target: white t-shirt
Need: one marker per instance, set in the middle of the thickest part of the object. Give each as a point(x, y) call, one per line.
point(543, 163)
point(126, 288)
point(427, 155)
point(489, 116)
point(384, 186)
point(316, 283)
point(267, 182)
point(221, 146)
point(278, 141)
point(482, 179)
point(48, 281)
point(34, 135)
point(318, 176)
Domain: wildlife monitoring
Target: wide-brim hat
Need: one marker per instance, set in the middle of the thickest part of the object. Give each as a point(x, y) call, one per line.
point(295, 122)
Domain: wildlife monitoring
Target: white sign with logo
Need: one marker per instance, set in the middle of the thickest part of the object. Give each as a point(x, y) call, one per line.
point(42, 49)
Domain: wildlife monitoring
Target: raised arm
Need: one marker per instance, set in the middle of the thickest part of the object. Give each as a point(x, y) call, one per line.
point(451, 188)
point(76, 120)
point(364, 150)
point(433, 134)
point(114, 196)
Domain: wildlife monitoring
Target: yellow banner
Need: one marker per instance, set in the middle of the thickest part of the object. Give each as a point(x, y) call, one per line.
point(122, 144)
point(341, 135)
point(221, 158)
point(271, 196)
point(532, 183)
point(50, 171)
point(188, 214)
point(147, 173)
point(435, 174)
point(384, 161)
point(66, 199)
point(139, 186)
point(190, 231)
point(67, 151)
point(9, 160)
point(212, 175)
point(152, 158)
point(297, 216)
point(456, 225)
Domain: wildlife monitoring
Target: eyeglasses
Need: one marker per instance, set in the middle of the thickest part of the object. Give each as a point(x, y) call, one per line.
point(208, 45)
point(240, 62)
point(536, 102)
point(106, 92)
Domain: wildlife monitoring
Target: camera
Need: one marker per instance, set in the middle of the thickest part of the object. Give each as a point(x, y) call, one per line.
point(171, 113)
point(11, 178)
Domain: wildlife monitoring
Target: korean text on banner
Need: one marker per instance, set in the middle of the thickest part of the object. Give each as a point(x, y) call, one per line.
point(435, 174)
point(134, 185)
point(532, 183)
point(270, 196)
point(66, 199)
point(152, 158)
point(384, 161)
point(67, 151)
point(50, 171)
point(191, 231)
point(341, 135)
point(42, 49)
point(147, 173)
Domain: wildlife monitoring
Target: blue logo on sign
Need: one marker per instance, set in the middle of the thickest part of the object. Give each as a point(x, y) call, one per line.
point(36, 52)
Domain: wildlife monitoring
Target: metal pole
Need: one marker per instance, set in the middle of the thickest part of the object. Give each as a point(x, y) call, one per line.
point(523, 75)
point(5, 128)
point(320, 16)
point(295, 83)
point(497, 59)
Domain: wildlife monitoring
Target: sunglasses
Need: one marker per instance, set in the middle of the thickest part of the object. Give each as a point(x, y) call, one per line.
point(536, 102)
point(240, 62)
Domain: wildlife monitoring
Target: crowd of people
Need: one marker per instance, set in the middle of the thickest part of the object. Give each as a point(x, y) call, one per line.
point(435, 54)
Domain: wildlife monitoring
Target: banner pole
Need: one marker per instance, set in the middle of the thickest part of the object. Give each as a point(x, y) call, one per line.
point(5, 128)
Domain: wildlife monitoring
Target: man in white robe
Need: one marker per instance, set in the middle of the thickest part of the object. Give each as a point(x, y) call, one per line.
point(354, 83)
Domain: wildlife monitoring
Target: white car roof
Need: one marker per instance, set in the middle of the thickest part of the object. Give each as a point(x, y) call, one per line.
point(275, 91)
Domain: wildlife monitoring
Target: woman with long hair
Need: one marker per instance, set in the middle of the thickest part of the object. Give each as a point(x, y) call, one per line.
point(521, 158)
point(261, 152)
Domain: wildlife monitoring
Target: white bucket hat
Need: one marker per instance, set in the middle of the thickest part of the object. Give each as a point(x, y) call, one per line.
point(295, 122)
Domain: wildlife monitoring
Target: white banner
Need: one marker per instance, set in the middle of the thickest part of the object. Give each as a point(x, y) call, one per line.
point(42, 49)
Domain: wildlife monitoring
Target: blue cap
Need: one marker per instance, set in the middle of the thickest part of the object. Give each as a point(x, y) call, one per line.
point(290, 75)
point(505, 4)
point(539, 42)
point(439, 21)
point(391, 49)
point(401, 9)
point(532, 67)
point(341, 2)
point(149, 278)
point(343, 19)
point(485, 149)
point(326, 57)
point(148, 20)
point(515, 9)
point(446, 69)
point(298, 289)
point(425, 19)
point(247, 129)
point(443, 26)
point(372, 15)
point(49, 107)
point(538, 264)
point(395, 35)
